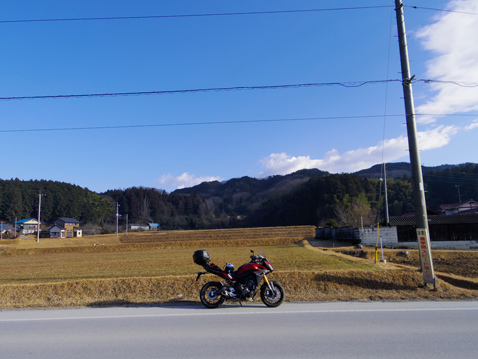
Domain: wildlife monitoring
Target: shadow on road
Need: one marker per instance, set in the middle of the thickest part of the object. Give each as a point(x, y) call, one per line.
point(184, 304)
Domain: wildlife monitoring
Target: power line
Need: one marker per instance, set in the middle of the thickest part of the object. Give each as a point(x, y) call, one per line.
point(194, 123)
point(146, 17)
point(209, 123)
point(353, 84)
point(194, 15)
point(461, 84)
point(271, 12)
point(443, 10)
point(213, 89)
point(450, 179)
point(447, 114)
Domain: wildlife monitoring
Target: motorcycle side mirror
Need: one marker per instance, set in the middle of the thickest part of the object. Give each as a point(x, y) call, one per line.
point(252, 251)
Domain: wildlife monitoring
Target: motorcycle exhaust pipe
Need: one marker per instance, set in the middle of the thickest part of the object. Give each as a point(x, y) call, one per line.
point(226, 291)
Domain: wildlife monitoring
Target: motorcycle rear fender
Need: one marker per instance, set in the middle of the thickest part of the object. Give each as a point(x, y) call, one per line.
point(214, 269)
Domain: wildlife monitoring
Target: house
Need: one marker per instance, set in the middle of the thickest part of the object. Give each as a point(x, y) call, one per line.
point(54, 231)
point(456, 222)
point(139, 227)
point(469, 207)
point(70, 226)
point(154, 226)
point(6, 228)
point(456, 227)
point(28, 226)
point(144, 227)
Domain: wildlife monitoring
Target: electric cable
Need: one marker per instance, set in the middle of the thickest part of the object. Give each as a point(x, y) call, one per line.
point(194, 15)
point(450, 179)
point(209, 123)
point(353, 84)
point(148, 17)
point(443, 10)
point(192, 123)
point(213, 89)
point(461, 84)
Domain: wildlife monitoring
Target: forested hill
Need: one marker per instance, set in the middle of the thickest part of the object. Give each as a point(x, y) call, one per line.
point(253, 188)
point(314, 197)
point(445, 184)
point(309, 197)
point(19, 200)
point(209, 204)
point(402, 169)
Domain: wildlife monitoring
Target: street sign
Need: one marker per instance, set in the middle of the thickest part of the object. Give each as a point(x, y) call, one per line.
point(425, 256)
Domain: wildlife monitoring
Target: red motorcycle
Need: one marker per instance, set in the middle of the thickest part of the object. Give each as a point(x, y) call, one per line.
point(239, 285)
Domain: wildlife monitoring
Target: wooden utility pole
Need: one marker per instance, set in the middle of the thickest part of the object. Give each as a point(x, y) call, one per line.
point(417, 177)
point(117, 218)
point(387, 217)
point(39, 216)
point(126, 223)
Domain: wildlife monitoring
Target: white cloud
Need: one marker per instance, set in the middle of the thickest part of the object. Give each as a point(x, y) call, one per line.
point(355, 160)
point(471, 126)
point(436, 138)
point(185, 180)
point(452, 38)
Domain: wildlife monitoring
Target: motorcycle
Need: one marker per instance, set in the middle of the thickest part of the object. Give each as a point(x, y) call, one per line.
point(240, 285)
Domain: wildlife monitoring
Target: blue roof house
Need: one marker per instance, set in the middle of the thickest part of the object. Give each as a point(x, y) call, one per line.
point(28, 225)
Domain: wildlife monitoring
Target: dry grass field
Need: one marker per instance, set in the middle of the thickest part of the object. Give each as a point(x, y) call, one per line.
point(151, 268)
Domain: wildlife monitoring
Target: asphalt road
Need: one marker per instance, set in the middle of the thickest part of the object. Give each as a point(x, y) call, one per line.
point(294, 330)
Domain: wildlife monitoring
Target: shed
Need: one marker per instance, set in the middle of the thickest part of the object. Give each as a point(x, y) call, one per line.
point(154, 226)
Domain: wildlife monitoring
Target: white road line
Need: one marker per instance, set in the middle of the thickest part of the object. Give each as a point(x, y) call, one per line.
point(219, 313)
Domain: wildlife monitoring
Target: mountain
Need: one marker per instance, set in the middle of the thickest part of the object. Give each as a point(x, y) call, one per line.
point(304, 197)
point(238, 198)
point(399, 170)
point(311, 196)
point(19, 200)
point(252, 188)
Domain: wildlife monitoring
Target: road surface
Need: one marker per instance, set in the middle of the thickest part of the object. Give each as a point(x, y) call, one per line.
point(294, 330)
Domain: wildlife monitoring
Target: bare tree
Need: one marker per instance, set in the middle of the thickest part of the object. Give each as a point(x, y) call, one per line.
point(353, 213)
point(144, 211)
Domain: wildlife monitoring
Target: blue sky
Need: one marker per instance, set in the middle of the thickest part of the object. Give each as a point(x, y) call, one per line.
point(183, 139)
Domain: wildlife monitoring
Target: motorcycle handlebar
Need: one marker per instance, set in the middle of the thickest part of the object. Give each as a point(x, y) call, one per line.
point(257, 258)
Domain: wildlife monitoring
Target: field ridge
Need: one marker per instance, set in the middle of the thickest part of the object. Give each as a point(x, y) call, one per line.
point(297, 232)
point(157, 268)
point(336, 285)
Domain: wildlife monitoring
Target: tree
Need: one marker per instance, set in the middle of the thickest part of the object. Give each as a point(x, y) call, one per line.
point(144, 211)
point(13, 199)
point(354, 212)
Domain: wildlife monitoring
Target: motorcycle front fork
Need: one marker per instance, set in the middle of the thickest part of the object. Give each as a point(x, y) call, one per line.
point(271, 288)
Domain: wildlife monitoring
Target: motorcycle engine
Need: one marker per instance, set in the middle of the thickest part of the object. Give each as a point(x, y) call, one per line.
point(249, 288)
point(251, 284)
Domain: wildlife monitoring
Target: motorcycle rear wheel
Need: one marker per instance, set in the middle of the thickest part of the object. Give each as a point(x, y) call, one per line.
point(209, 297)
point(272, 298)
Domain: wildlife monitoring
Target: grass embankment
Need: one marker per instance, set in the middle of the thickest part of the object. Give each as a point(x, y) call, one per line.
point(105, 270)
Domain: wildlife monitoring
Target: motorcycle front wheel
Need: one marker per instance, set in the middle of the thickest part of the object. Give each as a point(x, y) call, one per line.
point(209, 296)
point(272, 298)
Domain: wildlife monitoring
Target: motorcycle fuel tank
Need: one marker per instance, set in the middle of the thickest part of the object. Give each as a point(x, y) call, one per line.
point(250, 267)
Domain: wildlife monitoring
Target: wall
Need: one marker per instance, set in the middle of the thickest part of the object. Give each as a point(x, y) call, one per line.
point(344, 234)
point(455, 245)
point(388, 236)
